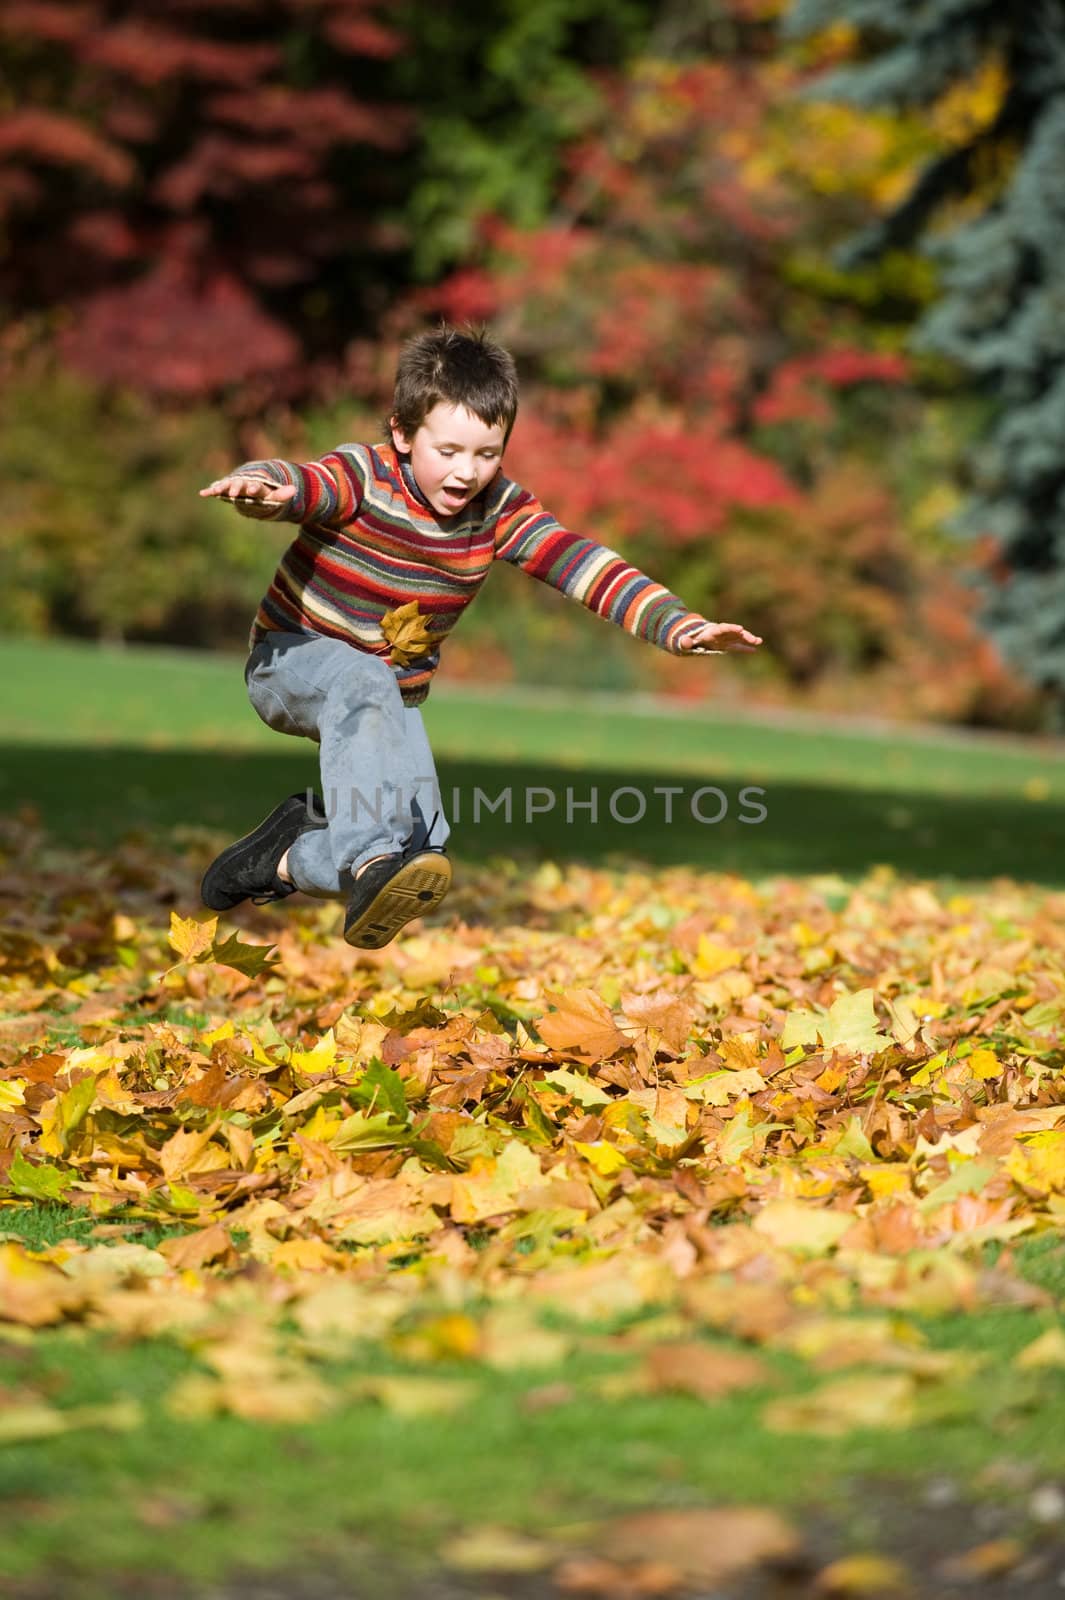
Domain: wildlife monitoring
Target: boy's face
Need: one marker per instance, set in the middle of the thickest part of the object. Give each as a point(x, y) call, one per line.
point(453, 455)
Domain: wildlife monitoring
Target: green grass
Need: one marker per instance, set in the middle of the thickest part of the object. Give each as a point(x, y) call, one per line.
point(88, 1504)
point(99, 742)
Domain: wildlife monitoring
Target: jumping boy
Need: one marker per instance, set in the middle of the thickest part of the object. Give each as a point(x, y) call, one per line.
point(394, 542)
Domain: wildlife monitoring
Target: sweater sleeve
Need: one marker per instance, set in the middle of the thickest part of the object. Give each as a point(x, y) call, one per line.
point(328, 492)
point(531, 538)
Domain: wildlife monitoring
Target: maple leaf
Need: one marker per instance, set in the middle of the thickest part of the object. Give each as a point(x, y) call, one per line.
point(407, 631)
point(582, 1024)
point(849, 1024)
point(197, 943)
point(250, 959)
point(191, 940)
point(37, 1181)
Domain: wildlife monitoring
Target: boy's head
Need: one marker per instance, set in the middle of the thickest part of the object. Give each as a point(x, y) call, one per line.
point(455, 403)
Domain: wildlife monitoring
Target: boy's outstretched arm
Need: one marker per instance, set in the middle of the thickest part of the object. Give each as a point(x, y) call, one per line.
point(326, 492)
point(528, 537)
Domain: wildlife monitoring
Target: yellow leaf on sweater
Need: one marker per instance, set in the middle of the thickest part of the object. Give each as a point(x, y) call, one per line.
point(407, 631)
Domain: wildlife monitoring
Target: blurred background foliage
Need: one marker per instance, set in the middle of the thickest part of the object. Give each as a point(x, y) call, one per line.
point(219, 218)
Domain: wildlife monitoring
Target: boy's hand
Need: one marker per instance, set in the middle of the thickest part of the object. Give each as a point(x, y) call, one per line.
point(716, 638)
point(249, 493)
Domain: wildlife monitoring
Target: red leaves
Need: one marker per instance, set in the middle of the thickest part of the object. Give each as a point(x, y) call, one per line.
point(51, 138)
point(197, 116)
point(172, 334)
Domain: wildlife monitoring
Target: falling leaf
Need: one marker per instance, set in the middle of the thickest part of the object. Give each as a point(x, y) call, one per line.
point(251, 959)
point(189, 939)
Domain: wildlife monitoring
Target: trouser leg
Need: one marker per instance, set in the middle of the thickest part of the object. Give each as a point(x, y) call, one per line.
point(430, 823)
point(350, 703)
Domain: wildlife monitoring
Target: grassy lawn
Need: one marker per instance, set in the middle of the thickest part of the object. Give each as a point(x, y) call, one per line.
point(196, 1498)
point(103, 741)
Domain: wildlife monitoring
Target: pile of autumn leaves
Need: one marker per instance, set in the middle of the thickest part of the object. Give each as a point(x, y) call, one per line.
point(735, 1108)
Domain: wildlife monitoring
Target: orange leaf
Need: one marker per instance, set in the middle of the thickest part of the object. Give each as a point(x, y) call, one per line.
point(582, 1025)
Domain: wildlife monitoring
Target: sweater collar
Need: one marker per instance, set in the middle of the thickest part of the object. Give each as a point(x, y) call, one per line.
point(411, 482)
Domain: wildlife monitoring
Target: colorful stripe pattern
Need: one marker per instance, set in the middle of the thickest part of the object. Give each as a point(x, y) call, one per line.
point(369, 542)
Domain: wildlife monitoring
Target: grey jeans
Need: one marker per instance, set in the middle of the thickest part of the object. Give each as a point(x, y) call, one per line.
point(379, 783)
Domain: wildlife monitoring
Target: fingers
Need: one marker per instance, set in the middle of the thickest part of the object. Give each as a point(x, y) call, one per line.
point(717, 638)
point(243, 487)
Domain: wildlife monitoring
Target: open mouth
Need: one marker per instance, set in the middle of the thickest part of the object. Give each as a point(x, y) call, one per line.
point(455, 497)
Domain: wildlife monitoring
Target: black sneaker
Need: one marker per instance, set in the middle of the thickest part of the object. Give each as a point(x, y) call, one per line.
point(247, 870)
point(392, 892)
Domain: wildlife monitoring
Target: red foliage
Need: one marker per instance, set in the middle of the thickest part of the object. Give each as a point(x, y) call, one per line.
point(49, 138)
point(173, 334)
point(220, 161)
point(661, 331)
point(797, 391)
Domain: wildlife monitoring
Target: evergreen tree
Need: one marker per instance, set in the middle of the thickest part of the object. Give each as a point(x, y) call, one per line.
point(990, 207)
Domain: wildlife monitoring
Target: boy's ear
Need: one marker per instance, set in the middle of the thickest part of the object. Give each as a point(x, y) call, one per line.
point(399, 438)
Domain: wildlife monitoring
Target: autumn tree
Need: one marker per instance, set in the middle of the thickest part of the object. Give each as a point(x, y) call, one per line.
point(188, 193)
point(988, 207)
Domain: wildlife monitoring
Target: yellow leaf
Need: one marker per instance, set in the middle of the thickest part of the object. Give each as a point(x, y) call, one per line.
point(1039, 1163)
point(1046, 1351)
point(488, 1549)
point(190, 939)
point(36, 1419)
point(225, 1030)
point(605, 1158)
point(320, 1059)
point(712, 958)
point(416, 1396)
point(186, 1152)
point(493, 1187)
point(794, 1226)
point(408, 633)
point(876, 1400)
point(862, 1577)
point(61, 1117)
point(886, 1179)
point(12, 1091)
point(983, 1063)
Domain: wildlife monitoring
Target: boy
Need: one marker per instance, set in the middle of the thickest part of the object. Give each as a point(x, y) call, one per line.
point(395, 540)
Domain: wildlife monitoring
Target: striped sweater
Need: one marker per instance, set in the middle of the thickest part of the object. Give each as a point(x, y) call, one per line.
point(369, 542)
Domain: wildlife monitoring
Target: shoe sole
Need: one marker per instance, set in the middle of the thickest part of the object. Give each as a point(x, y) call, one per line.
point(231, 856)
point(417, 888)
